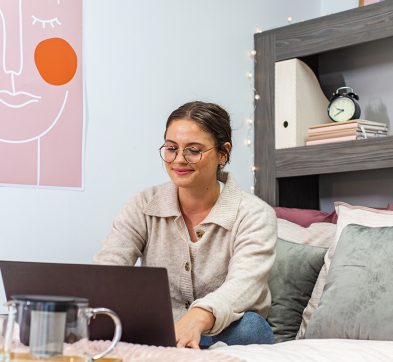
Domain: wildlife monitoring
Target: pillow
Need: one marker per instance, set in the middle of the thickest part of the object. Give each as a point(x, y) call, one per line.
point(317, 234)
point(291, 282)
point(347, 214)
point(304, 217)
point(357, 299)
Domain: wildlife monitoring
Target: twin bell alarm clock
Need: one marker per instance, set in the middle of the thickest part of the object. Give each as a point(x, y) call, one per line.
point(343, 105)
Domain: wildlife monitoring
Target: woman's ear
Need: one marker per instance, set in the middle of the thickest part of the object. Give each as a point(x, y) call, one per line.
point(224, 155)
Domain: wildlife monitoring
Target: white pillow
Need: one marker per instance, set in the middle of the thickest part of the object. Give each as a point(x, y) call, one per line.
point(347, 214)
point(317, 234)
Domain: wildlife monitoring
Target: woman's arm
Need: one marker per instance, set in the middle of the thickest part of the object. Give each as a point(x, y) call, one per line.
point(127, 238)
point(245, 286)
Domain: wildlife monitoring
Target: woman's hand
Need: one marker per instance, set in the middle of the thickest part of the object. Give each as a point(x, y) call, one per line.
point(188, 329)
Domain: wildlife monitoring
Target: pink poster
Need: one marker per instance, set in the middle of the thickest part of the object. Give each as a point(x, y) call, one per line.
point(41, 93)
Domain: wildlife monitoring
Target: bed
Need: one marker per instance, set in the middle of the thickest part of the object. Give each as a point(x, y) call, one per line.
point(314, 350)
point(331, 291)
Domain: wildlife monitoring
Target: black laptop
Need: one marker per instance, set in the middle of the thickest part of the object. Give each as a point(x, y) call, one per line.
point(139, 295)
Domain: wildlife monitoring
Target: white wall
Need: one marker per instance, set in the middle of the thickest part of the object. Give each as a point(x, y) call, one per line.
point(334, 6)
point(142, 59)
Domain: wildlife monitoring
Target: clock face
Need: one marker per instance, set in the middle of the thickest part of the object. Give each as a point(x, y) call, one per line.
point(341, 109)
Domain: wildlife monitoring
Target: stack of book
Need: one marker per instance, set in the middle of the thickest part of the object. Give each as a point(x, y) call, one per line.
point(345, 131)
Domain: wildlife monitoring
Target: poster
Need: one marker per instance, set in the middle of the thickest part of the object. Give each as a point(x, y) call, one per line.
point(41, 93)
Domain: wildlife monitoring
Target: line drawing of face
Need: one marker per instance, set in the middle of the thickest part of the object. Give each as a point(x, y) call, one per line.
point(39, 70)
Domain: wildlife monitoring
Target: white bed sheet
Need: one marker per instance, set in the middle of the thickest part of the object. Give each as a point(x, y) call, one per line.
point(314, 350)
point(306, 350)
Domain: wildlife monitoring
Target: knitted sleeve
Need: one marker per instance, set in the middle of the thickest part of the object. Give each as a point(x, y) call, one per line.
point(246, 285)
point(127, 238)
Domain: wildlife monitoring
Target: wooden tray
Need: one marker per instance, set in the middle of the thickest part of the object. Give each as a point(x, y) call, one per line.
point(25, 357)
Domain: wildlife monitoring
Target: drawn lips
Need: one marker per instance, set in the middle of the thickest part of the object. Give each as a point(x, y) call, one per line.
point(17, 99)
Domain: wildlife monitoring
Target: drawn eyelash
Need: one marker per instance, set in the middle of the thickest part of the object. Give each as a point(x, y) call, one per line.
point(44, 22)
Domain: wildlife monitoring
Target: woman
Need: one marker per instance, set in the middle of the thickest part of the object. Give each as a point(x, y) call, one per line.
point(216, 241)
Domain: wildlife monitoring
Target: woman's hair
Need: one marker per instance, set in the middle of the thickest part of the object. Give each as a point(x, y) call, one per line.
point(211, 118)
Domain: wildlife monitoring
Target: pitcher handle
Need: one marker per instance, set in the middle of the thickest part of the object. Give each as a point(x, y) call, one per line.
point(10, 326)
point(118, 330)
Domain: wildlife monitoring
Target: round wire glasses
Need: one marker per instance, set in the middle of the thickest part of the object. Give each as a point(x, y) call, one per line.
point(190, 154)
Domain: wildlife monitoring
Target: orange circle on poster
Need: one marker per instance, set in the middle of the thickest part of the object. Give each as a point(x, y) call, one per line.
point(56, 61)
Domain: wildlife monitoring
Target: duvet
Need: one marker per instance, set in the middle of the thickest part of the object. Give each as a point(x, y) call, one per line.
point(306, 350)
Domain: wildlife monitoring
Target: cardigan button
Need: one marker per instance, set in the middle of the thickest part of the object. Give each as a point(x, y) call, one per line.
point(199, 233)
point(187, 266)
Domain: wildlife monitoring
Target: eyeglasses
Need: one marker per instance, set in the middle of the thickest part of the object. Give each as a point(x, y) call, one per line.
point(191, 154)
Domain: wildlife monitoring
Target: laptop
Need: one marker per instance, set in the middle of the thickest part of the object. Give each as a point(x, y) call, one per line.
point(139, 295)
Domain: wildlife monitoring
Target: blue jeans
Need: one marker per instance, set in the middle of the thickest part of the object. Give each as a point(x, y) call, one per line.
point(251, 329)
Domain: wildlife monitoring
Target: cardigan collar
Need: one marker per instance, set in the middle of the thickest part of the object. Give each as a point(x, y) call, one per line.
point(165, 203)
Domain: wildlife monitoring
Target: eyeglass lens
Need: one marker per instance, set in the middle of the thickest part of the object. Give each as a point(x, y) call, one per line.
point(169, 154)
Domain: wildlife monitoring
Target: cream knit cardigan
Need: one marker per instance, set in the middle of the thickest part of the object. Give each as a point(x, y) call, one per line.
point(226, 271)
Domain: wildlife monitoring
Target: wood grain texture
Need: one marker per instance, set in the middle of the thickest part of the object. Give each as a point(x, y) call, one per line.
point(335, 31)
point(335, 157)
point(265, 186)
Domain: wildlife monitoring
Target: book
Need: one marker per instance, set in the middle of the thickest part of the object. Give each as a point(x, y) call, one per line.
point(371, 123)
point(376, 128)
point(362, 135)
point(331, 140)
point(333, 134)
point(348, 124)
point(357, 136)
point(332, 126)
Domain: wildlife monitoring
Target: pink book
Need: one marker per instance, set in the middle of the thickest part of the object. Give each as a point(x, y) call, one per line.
point(331, 140)
point(328, 127)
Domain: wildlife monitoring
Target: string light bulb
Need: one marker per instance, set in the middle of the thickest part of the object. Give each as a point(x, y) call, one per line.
point(289, 19)
point(249, 121)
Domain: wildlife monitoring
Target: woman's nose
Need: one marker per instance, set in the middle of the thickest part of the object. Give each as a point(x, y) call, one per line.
point(180, 157)
point(12, 51)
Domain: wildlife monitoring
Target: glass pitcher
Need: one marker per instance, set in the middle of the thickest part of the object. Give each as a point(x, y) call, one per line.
point(49, 326)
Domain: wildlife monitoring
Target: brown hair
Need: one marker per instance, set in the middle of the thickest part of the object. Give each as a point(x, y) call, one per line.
point(211, 118)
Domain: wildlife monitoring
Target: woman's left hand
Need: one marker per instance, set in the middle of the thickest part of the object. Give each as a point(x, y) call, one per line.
point(188, 329)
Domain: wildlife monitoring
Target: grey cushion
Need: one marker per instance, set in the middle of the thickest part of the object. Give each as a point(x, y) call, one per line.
point(357, 301)
point(291, 282)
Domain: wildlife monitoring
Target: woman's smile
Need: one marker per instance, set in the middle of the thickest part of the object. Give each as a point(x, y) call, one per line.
point(180, 171)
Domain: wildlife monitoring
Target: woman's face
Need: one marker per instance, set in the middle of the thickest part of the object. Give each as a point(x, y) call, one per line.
point(186, 133)
point(39, 78)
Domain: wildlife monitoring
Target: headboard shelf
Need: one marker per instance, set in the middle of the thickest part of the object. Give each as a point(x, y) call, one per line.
point(335, 157)
point(356, 40)
point(347, 28)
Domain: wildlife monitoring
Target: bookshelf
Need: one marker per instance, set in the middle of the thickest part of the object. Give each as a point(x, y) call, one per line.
point(290, 177)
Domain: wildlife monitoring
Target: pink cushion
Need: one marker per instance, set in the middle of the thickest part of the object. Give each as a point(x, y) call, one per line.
point(305, 217)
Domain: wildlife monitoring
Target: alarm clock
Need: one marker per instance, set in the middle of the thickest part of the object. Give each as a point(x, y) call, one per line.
point(343, 105)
